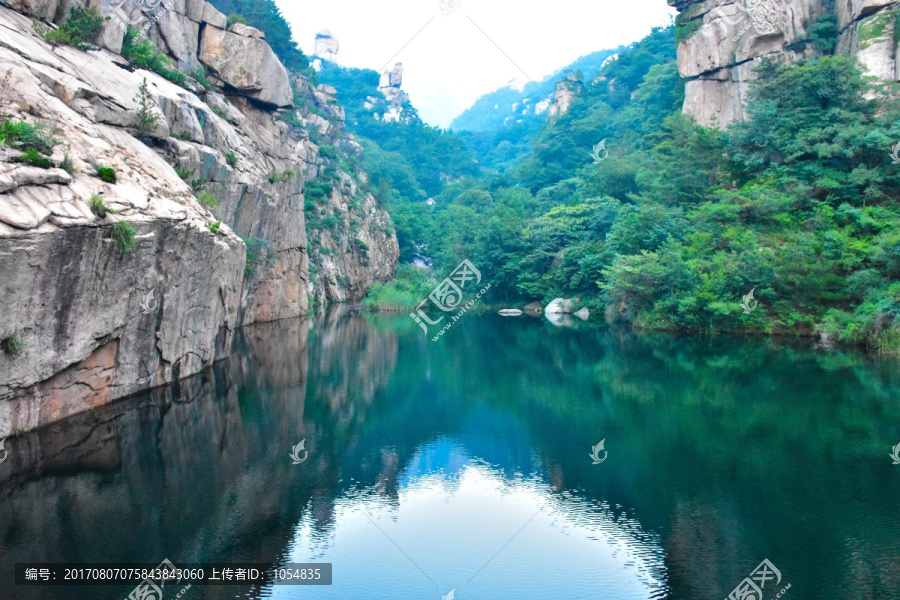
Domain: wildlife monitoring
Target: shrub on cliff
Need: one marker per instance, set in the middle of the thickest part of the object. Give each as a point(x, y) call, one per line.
point(141, 51)
point(123, 233)
point(13, 345)
point(79, 30)
point(24, 136)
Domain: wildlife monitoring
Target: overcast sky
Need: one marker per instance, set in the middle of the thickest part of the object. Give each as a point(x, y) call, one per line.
point(475, 48)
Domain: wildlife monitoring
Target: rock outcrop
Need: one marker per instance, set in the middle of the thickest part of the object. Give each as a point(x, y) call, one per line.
point(566, 91)
point(352, 243)
point(326, 47)
point(392, 107)
point(244, 61)
point(722, 41)
point(214, 191)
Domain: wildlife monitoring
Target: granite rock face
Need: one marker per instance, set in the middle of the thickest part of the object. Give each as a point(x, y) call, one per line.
point(722, 41)
point(247, 64)
point(99, 321)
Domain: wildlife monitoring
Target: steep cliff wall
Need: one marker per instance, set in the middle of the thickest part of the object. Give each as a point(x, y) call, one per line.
point(211, 173)
point(721, 41)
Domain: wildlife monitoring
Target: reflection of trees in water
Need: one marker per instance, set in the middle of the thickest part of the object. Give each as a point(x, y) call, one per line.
point(733, 451)
point(736, 449)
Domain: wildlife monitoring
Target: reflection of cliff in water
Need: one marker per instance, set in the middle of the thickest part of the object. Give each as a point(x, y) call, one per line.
point(198, 471)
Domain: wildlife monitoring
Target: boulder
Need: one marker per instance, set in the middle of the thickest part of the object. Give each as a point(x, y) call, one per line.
point(534, 307)
point(246, 64)
point(510, 312)
point(247, 31)
point(584, 314)
point(560, 306)
point(213, 17)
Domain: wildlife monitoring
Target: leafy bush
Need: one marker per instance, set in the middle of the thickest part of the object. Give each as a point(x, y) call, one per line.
point(208, 200)
point(23, 136)
point(79, 30)
point(141, 51)
point(33, 157)
point(232, 158)
point(184, 136)
point(98, 207)
point(13, 345)
point(234, 18)
point(318, 190)
point(199, 184)
point(405, 292)
point(214, 227)
point(107, 174)
point(123, 233)
point(288, 174)
point(257, 250)
point(184, 173)
point(274, 177)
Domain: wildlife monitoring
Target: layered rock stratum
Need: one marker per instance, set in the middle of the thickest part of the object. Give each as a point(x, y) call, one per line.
point(216, 189)
point(722, 41)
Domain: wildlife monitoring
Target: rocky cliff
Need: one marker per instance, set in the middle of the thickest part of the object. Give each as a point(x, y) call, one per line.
point(721, 41)
point(146, 213)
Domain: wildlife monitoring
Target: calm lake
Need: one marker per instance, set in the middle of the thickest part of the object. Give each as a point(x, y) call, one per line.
point(465, 464)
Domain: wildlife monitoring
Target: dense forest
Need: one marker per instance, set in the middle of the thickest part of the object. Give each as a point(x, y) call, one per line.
point(678, 222)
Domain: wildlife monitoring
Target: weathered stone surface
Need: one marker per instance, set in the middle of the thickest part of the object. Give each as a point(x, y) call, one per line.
point(565, 93)
point(729, 38)
point(246, 64)
point(182, 38)
point(168, 307)
point(213, 17)
point(247, 31)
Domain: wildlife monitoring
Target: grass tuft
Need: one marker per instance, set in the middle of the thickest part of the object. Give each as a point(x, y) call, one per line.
point(123, 233)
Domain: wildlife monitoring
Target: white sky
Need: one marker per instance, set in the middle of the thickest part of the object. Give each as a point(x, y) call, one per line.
point(450, 63)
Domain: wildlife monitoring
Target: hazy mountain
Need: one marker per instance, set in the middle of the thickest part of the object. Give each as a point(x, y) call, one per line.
point(516, 104)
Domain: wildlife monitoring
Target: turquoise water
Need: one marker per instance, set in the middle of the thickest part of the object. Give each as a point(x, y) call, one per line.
point(464, 465)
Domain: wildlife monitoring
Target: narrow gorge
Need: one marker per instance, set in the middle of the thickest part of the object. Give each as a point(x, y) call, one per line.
point(172, 210)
